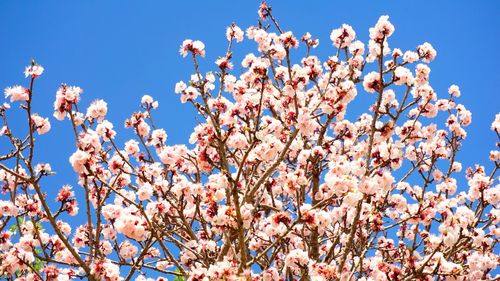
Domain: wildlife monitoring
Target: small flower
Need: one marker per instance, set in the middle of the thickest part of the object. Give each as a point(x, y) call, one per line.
point(190, 94)
point(148, 101)
point(180, 87)
point(343, 36)
point(235, 32)
point(66, 96)
point(310, 42)
point(42, 125)
point(426, 52)
point(33, 70)
point(453, 90)
point(383, 29)
point(410, 57)
point(196, 47)
point(263, 10)
point(97, 110)
point(224, 63)
point(17, 93)
point(288, 40)
point(402, 76)
point(371, 82)
point(105, 130)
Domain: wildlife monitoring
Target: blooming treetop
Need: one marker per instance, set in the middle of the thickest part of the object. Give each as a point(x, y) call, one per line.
point(276, 184)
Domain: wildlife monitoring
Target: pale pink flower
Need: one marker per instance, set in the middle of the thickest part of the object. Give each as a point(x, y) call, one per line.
point(149, 102)
point(145, 192)
point(78, 160)
point(495, 155)
point(357, 48)
point(296, 259)
point(233, 31)
point(43, 168)
point(158, 138)
point(127, 250)
point(410, 57)
point(132, 147)
point(42, 125)
point(105, 130)
point(270, 274)
point(33, 70)
point(310, 42)
point(426, 52)
point(343, 36)
point(189, 94)
point(288, 40)
point(66, 96)
point(454, 91)
point(142, 128)
point(422, 72)
point(97, 110)
point(64, 227)
point(224, 63)
point(180, 87)
point(106, 270)
point(449, 186)
point(383, 29)
point(17, 93)
point(7, 209)
point(196, 47)
point(402, 76)
point(371, 82)
point(263, 11)
point(495, 126)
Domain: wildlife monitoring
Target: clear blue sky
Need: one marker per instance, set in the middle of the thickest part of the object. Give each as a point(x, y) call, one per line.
point(120, 50)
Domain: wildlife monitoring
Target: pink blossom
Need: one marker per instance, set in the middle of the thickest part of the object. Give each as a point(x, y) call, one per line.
point(296, 259)
point(410, 57)
point(402, 76)
point(382, 30)
point(17, 93)
point(127, 250)
point(190, 94)
point(343, 36)
point(106, 270)
point(288, 40)
point(33, 70)
point(371, 82)
point(426, 52)
point(196, 47)
point(105, 130)
point(148, 101)
point(7, 208)
point(224, 63)
point(66, 96)
point(180, 87)
point(42, 125)
point(158, 138)
point(233, 31)
point(310, 42)
point(454, 91)
point(97, 110)
point(132, 147)
point(78, 160)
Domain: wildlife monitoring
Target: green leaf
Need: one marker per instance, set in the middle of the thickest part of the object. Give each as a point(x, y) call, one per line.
point(178, 278)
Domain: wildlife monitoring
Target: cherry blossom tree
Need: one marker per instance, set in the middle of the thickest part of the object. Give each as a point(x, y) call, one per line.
point(275, 184)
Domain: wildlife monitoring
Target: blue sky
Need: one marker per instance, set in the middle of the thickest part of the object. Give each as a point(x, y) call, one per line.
point(120, 50)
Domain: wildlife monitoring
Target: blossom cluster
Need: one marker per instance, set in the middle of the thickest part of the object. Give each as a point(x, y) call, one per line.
point(275, 183)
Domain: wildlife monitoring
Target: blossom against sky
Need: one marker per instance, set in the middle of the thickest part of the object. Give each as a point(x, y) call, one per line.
point(120, 53)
